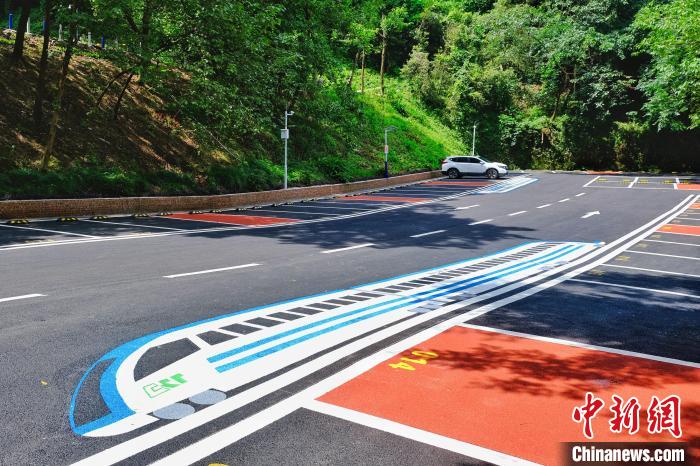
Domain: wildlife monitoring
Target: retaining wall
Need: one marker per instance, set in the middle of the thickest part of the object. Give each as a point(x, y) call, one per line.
point(130, 205)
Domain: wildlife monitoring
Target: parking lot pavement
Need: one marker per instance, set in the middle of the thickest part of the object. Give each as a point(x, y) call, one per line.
point(645, 299)
point(48, 231)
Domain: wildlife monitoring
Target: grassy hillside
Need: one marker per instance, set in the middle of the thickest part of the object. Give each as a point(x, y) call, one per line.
point(151, 149)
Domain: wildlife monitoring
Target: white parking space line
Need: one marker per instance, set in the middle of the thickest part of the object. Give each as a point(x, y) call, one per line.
point(307, 206)
point(244, 266)
point(577, 344)
point(50, 231)
point(362, 202)
point(651, 270)
point(665, 255)
point(252, 211)
point(543, 206)
point(418, 435)
point(617, 285)
point(580, 194)
point(134, 225)
point(517, 213)
point(634, 181)
point(672, 242)
point(428, 233)
point(482, 221)
point(357, 246)
point(625, 187)
point(467, 207)
point(565, 200)
point(24, 296)
point(592, 181)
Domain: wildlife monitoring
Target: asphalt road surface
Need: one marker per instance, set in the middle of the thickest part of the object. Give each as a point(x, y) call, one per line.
point(447, 322)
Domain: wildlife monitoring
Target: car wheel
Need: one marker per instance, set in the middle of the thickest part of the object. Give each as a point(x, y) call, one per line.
point(492, 174)
point(453, 173)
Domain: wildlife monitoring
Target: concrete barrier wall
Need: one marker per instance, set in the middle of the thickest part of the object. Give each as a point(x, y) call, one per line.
point(129, 205)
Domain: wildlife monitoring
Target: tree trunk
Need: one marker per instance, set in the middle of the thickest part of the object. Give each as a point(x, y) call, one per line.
point(145, 37)
point(58, 101)
point(104, 91)
point(354, 67)
point(43, 65)
point(381, 67)
point(362, 81)
point(121, 94)
point(18, 50)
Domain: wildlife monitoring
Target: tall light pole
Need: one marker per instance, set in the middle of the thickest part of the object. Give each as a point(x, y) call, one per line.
point(387, 130)
point(285, 137)
point(474, 140)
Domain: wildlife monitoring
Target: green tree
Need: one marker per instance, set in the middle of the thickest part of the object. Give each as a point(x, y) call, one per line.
point(672, 79)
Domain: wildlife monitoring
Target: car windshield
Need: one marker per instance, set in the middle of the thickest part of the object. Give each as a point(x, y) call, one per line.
point(484, 159)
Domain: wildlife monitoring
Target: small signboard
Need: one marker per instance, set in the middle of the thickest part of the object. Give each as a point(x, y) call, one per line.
point(285, 134)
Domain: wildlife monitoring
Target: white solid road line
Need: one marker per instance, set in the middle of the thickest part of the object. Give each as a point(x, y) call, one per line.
point(428, 233)
point(252, 211)
point(107, 222)
point(50, 231)
point(304, 205)
point(580, 194)
point(617, 285)
point(481, 221)
point(592, 181)
point(543, 206)
point(233, 433)
point(517, 213)
point(651, 270)
point(672, 242)
point(24, 296)
point(244, 266)
point(467, 207)
point(357, 246)
point(689, 219)
point(665, 255)
point(422, 436)
point(577, 344)
point(565, 200)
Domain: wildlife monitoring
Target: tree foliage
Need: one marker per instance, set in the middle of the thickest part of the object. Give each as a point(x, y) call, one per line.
point(550, 83)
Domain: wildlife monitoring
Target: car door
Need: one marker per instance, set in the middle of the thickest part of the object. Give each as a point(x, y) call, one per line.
point(474, 166)
point(461, 164)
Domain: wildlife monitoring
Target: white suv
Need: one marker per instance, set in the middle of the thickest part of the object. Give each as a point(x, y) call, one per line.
point(459, 165)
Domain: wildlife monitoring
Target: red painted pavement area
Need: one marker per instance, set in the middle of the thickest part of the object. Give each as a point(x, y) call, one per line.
point(234, 219)
point(688, 187)
point(685, 229)
point(695, 206)
point(386, 198)
point(459, 183)
point(516, 395)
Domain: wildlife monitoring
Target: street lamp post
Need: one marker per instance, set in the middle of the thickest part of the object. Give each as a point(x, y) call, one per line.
point(285, 137)
point(474, 140)
point(387, 130)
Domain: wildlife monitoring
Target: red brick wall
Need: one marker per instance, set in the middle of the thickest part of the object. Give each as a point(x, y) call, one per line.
point(130, 205)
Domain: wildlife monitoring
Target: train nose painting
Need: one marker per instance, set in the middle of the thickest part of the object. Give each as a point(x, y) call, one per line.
point(175, 373)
